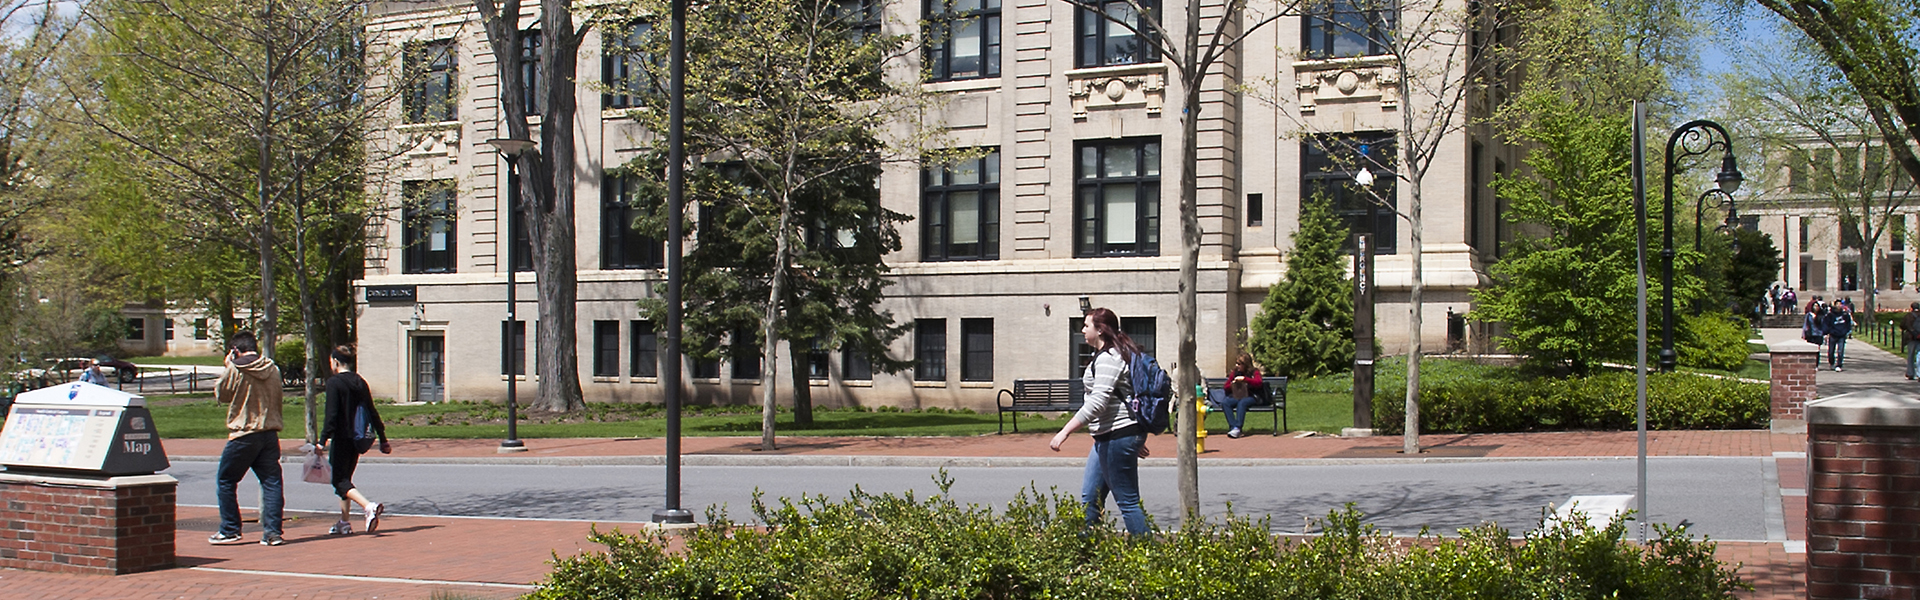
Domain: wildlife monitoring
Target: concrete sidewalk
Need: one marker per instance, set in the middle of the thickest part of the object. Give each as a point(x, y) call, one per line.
point(448, 557)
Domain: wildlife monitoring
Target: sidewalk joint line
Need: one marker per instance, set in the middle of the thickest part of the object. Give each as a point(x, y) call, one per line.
point(369, 579)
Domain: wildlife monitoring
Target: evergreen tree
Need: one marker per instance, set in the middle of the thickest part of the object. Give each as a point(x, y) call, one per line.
point(1305, 326)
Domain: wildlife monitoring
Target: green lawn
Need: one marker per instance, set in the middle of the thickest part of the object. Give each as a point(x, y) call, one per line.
point(209, 361)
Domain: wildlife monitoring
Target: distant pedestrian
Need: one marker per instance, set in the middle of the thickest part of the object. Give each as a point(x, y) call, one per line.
point(347, 395)
point(1910, 333)
point(1812, 330)
point(1788, 300)
point(250, 388)
point(1838, 327)
point(90, 372)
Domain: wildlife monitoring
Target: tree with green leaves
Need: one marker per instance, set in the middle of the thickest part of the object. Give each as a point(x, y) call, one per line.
point(1567, 296)
point(1872, 45)
point(246, 123)
point(789, 103)
point(1305, 326)
point(1800, 110)
point(547, 177)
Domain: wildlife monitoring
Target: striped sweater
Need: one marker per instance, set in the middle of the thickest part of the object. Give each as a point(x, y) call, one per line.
point(1108, 388)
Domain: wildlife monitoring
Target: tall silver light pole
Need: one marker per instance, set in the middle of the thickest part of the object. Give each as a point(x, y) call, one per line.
point(511, 149)
point(676, 178)
point(1640, 307)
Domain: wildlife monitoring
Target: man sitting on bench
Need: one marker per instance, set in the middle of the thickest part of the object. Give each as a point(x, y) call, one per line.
point(1243, 388)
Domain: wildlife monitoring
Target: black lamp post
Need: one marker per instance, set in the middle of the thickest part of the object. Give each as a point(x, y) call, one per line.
point(672, 513)
point(511, 149)
point(1692, 139)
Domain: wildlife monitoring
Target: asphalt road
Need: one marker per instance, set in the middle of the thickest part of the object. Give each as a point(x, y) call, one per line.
point(1724, 498)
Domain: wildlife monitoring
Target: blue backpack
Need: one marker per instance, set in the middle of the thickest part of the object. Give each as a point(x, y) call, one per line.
point(363, 434)
point(1152, 392)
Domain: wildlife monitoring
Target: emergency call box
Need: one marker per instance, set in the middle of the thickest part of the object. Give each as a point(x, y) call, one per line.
point(81, 428)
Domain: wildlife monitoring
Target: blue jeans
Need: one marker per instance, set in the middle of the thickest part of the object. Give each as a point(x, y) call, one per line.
point(1235, 408)
point(260, 453)
point(1114, 465)
point(1913, 353)
point(1836, 351)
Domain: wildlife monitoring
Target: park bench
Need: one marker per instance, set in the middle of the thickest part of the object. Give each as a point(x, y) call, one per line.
point(1039, 395)
point(1270, 398)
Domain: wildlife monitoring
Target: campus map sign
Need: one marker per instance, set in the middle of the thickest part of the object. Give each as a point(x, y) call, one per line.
point(81, 427)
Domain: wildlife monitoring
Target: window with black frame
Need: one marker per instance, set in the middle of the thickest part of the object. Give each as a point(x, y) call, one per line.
point(930, 350)
point(817, 360)
point(854, 365)
point(530, 41)
point(960, 209)
point(1328, 166)
point(862, 16)
point(606, 348)
point(1117, 198)
point(976, 349)
point(962, 39)
point(643, 350)
point(625, 65)
point(745, 355)
point(430, 98)
point(1104, 41)
point(622, 246)
point(1140, 329)
point(427, 232)
point(1348, 28)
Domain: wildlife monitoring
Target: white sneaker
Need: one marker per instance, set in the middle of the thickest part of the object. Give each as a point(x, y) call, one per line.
point(342, 527)
point(373, 516)
point(1234, 433)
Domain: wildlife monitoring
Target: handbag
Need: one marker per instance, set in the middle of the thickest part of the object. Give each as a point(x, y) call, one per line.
point(315, 468)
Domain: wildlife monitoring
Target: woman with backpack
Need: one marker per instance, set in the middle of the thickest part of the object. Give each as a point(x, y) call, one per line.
point(1119, 439)
point(352, 423)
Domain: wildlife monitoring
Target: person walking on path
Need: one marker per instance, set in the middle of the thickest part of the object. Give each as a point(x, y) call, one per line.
point(1812, 330)
point(1119, 440)
point(1838, 325)
point(1910, 334)
point(250, 388)
point(349, 408)
point(90, 373)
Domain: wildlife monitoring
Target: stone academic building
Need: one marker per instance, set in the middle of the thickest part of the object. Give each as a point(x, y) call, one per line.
point(1075, 195)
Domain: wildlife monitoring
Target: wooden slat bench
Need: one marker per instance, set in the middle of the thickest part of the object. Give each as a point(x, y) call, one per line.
point(1039, 395)
point(1271, 398)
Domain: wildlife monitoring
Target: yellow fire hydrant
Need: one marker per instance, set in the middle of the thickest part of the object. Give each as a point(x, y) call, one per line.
point(1200, 419)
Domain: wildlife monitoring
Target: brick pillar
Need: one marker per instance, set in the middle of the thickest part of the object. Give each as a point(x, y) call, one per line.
point(1863, 497)
point(103, 526)
point(1793, 363)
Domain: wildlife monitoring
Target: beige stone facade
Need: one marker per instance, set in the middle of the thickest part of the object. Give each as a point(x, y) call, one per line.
point(1040, 111)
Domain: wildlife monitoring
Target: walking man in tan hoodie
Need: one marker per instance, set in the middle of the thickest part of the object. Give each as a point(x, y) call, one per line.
point(251, 390)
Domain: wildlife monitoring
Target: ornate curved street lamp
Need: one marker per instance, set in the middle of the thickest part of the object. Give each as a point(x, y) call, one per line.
point(1692, 139)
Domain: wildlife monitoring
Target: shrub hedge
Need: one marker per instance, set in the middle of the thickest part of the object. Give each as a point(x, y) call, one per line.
point(896, 546)
point(1604, 401)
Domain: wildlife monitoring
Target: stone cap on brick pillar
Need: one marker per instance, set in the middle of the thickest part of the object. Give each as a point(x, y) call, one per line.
point(1792, 347)
point(1870, 408)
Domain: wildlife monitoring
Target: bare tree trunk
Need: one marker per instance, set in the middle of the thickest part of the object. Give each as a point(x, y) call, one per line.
point(1187, 376)
point(307, 312)
point(1410, 439)
point(269, 296)
point(770, 327)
